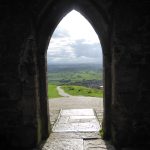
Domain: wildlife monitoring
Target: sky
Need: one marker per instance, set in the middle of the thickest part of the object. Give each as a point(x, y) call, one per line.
point(74, 41)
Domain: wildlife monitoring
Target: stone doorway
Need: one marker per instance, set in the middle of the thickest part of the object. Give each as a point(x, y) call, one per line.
point(85, 124)
point(26, 27)
point(46, 33)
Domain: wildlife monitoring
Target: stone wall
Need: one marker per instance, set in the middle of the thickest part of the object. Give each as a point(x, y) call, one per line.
point(25, 29)
point(131, 72)
point(19, 100)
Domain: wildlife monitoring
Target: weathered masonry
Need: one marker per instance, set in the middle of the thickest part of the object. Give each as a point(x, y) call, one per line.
point(25, 30)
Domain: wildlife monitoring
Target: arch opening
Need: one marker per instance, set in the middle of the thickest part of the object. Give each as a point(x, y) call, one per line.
point(74, 64)
point(45, 33)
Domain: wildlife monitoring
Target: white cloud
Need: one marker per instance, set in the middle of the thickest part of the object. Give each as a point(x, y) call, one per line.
point(74, 41)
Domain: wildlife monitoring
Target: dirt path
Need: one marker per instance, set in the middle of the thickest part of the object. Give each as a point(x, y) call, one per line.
point(62, 92)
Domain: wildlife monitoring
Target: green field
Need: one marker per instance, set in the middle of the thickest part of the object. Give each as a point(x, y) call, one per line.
point(83, 91)
point(52, 91)
point(71, 77)
point(79, 79)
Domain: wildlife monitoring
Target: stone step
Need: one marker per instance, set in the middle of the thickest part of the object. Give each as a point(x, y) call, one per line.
point(76, 129)
point(76, 135)
point(77, 120)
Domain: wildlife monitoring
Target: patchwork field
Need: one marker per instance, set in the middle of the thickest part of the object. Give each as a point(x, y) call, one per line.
point(81, 79)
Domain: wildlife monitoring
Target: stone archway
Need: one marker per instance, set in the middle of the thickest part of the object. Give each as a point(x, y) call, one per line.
point(25, 30)
point(47, 24)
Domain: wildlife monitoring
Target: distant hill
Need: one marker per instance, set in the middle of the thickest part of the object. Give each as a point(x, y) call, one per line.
point(89, 75)
point(73, 67)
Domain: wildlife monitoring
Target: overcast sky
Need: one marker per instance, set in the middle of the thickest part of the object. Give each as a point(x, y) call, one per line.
point(74, 41)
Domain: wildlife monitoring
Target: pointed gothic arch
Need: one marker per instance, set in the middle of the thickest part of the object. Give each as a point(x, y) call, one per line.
point(47, 22)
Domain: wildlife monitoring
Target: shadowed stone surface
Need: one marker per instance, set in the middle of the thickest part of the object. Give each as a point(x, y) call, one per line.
point(64, 144)
point(75, 135)
point(97, 144)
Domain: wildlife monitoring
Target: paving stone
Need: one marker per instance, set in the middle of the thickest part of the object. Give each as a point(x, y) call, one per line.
point(75, 103)
point(76, 129)
point(64, 144)
point(97, 144)
point(64, 119)
point(76, 135)
point(77, 112)
point(82, 119)
point(77, 120)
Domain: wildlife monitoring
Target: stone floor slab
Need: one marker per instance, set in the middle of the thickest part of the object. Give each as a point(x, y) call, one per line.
point(76, 127)
point(75, 102)
point(77, 112)
point(75, 135)
point(64, 144)
point(97, 144)
point(82, 117)
point(77, 120)
point(76, 130)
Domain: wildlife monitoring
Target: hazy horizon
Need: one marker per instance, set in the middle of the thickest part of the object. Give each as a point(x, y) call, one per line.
point(88, 63)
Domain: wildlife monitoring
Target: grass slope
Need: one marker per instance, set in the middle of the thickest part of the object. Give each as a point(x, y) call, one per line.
point(83, 91)
point(52, 91)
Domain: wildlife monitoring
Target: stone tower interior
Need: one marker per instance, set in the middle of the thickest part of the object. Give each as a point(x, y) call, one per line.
point(25, 30)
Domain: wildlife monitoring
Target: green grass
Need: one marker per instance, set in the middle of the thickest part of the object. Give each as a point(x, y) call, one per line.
point(83, 91)
point(52, 91)
point(101, 132)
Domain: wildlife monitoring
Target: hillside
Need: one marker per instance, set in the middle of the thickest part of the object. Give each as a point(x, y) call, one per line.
point(89, 75)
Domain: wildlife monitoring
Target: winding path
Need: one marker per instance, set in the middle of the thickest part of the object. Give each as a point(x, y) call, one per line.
point(62, 92)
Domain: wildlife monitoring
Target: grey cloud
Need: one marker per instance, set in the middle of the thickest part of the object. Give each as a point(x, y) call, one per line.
point(60, 33)
point(88, 50)
point(62, 53)
point(81, 51)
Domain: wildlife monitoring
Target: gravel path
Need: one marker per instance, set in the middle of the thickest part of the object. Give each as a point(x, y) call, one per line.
point(61, 92)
